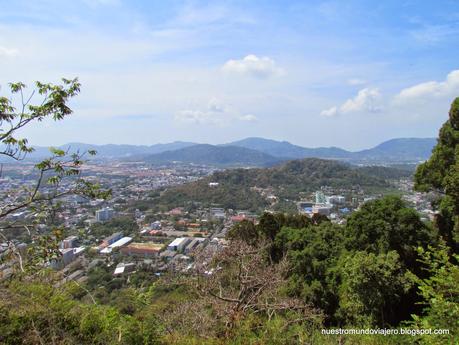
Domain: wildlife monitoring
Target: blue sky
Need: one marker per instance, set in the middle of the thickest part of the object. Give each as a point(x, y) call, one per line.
point(316, 73)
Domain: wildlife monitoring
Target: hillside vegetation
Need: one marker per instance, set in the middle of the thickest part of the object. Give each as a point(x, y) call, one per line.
point(287, 180)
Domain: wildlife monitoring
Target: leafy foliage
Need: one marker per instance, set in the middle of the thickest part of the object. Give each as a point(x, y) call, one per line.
point(37, 313)
point(385, 225)
point(441, 174)
point(235, 189)
point(372, 286)
point(440, 293)
point(57, 176)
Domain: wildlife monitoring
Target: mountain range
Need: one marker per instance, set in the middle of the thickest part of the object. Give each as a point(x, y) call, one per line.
point(266, 152)
point(254, 152)
point(215, 155)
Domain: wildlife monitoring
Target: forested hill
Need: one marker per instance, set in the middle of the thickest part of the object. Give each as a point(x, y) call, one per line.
point(287, 180)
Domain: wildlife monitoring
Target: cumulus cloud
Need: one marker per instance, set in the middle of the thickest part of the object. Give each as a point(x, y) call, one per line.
point(8, 52)
point(333, 111)
point(254, 66)
point(445, 88)
point(366, 100)
point(215, 113)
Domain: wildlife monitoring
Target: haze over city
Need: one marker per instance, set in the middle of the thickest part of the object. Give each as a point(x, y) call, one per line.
point(317, 73)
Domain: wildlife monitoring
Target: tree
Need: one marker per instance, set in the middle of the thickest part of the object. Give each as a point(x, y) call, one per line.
point(241, 282)
point(388, 224)
point(440, 293)
point(372, 287)
point(270, 225)
point(441, 175)
point(245, 231)
point(312, 253)
point(57, 176)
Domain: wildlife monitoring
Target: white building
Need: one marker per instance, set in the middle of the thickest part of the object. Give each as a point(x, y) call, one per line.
point(179, 244)
point(121, 242)
point(104, 214)
point(336, 199)
point(322, 209)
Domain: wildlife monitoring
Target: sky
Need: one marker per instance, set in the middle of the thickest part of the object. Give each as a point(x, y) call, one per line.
point(316, 73)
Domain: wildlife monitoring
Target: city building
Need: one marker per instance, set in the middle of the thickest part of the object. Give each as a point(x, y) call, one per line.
point(178, 245)
point(120, 243)
point(195, 242)
point(148, 249)
point(68, 255)
point(124, 268)
point(336, 199)
point(323, 209)
point(217, 212)
point(104, 214)
point(111, 239)
point(69, 242)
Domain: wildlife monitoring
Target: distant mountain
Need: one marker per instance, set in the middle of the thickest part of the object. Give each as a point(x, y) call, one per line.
point(119, 151)
point(262, 151)
point(111, 150)
point(395, 150)
point(402, 149)
point(287, 150)
point(287, 180)
point(214, 155)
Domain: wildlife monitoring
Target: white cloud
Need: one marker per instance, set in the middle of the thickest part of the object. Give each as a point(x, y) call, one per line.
point(248, 118)
point(356, 82)
point(333, 111)
point(445, 88)
point(8, 52)
point(254, 66)
point(215, 113)
point(197, 117)
point(215, 106)
point(367, 100)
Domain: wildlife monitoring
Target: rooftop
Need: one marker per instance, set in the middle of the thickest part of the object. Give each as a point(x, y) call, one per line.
point(147, 246)
point(178, 241)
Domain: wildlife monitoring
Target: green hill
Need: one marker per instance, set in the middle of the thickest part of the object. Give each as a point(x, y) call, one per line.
point(235, 186)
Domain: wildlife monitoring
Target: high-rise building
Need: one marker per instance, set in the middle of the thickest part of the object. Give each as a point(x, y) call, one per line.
point(104, 214)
